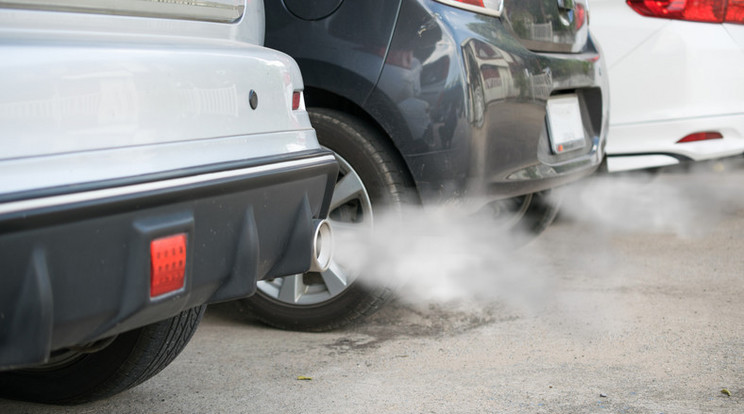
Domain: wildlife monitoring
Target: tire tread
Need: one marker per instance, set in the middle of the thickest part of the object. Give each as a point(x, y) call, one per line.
point(131, 359)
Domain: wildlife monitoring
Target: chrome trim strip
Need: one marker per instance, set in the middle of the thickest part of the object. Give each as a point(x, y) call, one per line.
point(220, 11)
point(53, 201)
point(477, 9)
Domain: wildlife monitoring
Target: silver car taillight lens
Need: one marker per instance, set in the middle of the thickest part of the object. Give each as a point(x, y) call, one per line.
point(490, 7)
point(709, 11)
point(222, 11)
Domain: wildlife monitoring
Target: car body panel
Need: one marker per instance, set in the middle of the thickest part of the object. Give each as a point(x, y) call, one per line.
point(116, 91)
point(502, 142)
point(342, 52)
point(669, 79)
point(734, 30)
point(91, 98)
point(39, 19)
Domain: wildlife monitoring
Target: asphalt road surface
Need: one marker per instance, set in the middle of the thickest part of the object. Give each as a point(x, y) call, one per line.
point(635, 311)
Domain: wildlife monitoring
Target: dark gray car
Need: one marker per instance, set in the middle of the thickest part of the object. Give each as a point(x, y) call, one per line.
point(425, 101)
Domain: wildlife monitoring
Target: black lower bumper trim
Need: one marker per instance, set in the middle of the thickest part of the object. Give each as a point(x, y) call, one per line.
point(76, 269)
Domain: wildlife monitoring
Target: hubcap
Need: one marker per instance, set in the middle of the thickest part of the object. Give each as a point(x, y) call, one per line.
point(350, 211)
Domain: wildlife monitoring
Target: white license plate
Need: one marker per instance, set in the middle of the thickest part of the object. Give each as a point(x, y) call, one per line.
point(565, 129)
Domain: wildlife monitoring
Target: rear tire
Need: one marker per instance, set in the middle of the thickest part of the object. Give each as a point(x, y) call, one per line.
point(128, 360)
point(332, 299)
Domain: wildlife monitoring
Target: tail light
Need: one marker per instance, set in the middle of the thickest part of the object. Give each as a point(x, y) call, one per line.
point(709, 11)
point(491, 7)
point(581, 17)
point(735, 12)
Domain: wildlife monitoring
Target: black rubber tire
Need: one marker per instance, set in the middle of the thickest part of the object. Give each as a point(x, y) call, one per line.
point(388, 184)
point(129, 360)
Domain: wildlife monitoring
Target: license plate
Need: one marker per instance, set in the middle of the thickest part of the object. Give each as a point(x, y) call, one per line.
point(565, 129)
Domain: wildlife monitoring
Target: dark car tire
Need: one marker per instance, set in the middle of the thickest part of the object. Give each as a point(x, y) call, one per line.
point(130, 359)
point(371, 156)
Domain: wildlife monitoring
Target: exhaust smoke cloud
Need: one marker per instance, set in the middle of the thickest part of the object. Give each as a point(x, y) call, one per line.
point(442, 254)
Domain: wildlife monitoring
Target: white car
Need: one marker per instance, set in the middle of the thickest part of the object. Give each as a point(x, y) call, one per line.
point(676, 74)
point(154, 158)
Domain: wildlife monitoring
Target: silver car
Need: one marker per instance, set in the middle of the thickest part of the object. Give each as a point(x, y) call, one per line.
point(153, 158)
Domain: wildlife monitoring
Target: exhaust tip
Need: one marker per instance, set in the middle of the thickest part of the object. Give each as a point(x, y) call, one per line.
point(322, 247)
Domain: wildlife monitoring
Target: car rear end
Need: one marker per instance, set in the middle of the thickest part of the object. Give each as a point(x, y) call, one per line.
point(484, 105)
point(512, 96)
point(676, 79)
point(154, 158)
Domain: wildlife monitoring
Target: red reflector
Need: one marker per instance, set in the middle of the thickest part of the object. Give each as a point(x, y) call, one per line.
point(701, 136)
point(711, 11)
point(167, 264)
point(296, 96)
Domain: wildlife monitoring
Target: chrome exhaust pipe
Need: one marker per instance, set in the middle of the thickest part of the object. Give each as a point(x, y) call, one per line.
point(322, 246)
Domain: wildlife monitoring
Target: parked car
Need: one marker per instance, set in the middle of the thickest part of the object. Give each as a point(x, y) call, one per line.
point(154, 158)
point(426, 102)
point(676, 80)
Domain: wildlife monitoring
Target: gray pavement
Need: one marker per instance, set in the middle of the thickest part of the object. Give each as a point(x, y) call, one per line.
point(643, 317)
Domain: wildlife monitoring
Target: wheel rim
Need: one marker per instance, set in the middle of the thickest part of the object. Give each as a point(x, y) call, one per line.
point(350, 211)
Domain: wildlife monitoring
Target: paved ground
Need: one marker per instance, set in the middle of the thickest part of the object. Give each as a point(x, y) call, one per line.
point(626, 311)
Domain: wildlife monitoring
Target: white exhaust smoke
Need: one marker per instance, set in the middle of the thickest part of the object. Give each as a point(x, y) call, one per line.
point(442, 254)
